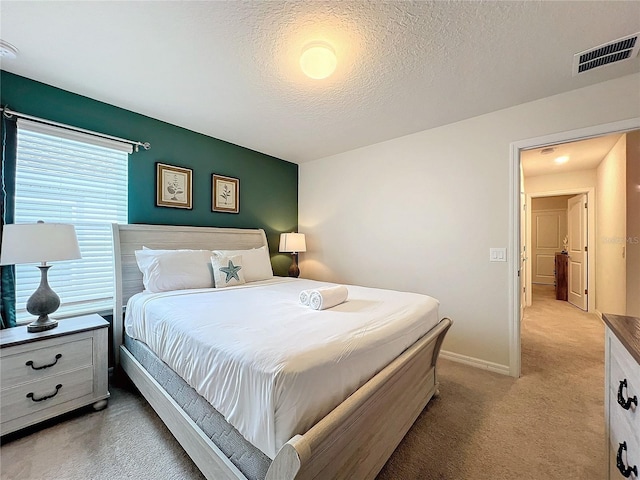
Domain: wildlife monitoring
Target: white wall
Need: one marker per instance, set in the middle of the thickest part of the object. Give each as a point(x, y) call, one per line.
point(580, 180)
point(420, 212)
point(558, 202)
point(611, 230)
point(633, 223)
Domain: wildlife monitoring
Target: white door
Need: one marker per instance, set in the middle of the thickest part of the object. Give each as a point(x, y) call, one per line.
point(548, 229)
point(577, 272)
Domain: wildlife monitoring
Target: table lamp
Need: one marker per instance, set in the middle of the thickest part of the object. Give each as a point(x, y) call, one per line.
point(40, 243)
point(293, 243)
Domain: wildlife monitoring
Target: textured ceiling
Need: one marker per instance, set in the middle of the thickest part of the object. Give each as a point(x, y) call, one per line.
point(230, 69)
point(583, 155)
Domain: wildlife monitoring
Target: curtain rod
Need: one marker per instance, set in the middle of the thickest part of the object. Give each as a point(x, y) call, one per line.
point(9, 113)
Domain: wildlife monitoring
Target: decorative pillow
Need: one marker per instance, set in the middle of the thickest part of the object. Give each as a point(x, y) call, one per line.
point(164, 270)
point(227, 270)
point(255, 262)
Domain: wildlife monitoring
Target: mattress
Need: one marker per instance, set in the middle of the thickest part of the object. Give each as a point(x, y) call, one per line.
point(270, 365)
point(246, 457)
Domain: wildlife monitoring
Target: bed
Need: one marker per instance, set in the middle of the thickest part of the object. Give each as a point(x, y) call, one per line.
point(351, 440)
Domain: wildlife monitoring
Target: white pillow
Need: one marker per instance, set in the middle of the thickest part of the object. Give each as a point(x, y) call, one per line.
point(255, 262)
point(227, 270)
point(164, 270)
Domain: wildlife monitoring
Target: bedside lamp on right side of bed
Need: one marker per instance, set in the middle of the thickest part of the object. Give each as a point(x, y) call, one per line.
point(293, 243)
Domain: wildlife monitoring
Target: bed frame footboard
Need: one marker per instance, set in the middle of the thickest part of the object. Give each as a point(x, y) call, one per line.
point(357, 438)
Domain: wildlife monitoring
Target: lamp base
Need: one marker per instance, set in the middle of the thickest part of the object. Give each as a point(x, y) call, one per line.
point(43, 302)
point(294, 270)
point(42, 324)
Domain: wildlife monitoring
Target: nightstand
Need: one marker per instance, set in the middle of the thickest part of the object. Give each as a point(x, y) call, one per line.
point(46, 374)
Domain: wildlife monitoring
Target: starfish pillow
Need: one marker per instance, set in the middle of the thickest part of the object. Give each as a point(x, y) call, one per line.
point(227, 270)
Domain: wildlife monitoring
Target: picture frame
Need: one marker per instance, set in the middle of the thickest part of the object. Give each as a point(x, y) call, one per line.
point(174, 186)
point(225, 194)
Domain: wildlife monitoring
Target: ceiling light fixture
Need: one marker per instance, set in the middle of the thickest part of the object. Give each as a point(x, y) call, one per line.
point(547, 151)
point(563, 159)
point(318, 60)
point(7, 50)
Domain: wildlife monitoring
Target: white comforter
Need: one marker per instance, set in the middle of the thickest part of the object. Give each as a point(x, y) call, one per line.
point(270, 365)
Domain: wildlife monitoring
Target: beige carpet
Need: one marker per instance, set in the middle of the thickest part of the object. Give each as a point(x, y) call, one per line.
point(547, 425)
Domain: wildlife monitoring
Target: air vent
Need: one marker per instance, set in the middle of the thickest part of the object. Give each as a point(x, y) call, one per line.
point(616, 51)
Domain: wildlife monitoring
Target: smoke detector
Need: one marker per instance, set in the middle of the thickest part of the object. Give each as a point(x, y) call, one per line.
point(624, 48)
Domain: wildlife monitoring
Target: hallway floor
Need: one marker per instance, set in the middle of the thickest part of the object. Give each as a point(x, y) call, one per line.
point(556, 329)
point(563, 350)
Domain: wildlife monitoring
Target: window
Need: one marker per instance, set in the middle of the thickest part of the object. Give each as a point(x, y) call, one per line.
point(69, 177)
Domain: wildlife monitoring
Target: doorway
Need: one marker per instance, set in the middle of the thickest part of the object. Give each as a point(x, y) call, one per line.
point(519, 295)
point(558, 227)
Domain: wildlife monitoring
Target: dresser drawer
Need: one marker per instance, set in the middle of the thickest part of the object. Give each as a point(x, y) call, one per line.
point(623, 361)
point(622, 433)
point(28, 398)
point(630, 458)
point(625, 387)
point(46, 360)
point(624, 382)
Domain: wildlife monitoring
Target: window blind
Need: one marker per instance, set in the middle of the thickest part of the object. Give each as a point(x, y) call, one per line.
point(70, 177)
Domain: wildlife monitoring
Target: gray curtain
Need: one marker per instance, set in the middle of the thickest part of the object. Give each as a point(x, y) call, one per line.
point(7, 211)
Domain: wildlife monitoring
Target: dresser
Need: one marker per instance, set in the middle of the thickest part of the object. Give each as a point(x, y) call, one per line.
point(46, 374)
point(622, 395)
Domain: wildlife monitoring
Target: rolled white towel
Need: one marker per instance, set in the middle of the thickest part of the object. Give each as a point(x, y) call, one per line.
point(305, 296)
point(328, 297)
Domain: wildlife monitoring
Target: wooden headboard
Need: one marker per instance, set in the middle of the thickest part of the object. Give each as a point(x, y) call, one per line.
point(129, 238)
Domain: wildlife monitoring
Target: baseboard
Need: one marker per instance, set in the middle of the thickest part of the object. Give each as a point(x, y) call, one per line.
point(475, 362)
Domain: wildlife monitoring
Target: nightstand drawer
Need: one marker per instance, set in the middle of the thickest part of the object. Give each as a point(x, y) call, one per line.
point(28, 398)
point(47, 361)
point(74, 357)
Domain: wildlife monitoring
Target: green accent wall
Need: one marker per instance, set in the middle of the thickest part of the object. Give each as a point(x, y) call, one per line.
point(268, 185)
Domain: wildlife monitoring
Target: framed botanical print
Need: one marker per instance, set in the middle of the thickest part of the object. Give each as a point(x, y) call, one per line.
point(174, 186)
point(225, 194)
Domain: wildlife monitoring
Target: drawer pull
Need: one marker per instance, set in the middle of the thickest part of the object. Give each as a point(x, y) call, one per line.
point(626, 404)
point(30, 363)
point(624, 470)
point(46, 397)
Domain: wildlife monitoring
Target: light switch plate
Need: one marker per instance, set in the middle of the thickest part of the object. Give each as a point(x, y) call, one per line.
point(497, 254)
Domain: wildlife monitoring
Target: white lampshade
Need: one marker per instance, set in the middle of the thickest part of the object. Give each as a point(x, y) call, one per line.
point(292, 242)
point(38, 242)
